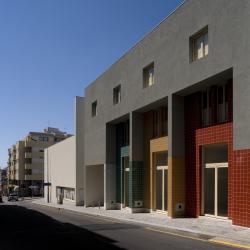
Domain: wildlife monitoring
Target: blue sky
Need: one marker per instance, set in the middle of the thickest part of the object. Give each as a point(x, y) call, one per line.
point(51, 49)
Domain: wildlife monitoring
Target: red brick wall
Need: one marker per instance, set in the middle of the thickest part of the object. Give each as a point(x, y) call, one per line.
point(195, 138)
point(211, 135)
point(241, 190)
point(238, 163)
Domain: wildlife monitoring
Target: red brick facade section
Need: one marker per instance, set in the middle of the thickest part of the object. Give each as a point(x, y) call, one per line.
point(212, 135)
point(238, 162)
point(241, 191)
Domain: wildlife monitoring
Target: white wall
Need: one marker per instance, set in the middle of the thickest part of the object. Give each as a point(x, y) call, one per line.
point(64, 161)
point(59, 166)
point(94, 184)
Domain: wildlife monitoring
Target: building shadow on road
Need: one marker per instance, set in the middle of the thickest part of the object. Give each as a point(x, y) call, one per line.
point(23, 228)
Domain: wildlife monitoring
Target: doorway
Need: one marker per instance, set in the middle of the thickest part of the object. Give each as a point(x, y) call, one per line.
point(216, 189)
point(161, 181)
point(215, 181)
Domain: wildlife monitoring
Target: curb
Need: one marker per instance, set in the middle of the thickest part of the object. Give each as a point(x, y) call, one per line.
point(213, 239)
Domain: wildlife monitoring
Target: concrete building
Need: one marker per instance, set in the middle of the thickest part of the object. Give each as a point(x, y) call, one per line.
point(3, 181)
point(26, 160)
point(63, 165)
point(166, 128)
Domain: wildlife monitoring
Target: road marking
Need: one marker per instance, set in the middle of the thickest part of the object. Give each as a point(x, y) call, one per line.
point(229, 244)
point(220, 242)
point(175, 234)
point(100, 217)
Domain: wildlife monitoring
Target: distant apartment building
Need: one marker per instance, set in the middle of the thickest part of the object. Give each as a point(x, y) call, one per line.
point(3, 181)
point(26, 160)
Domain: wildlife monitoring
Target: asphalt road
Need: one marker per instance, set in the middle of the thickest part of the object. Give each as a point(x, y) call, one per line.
point(28, 226)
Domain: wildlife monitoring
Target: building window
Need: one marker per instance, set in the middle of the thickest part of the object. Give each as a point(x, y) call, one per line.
point(28, 160)
point(199, 45)
point(123, 133)
point(148, 76)
point(28, 171)
point(160, 122)
point(215, 103)
point(43, 138)
point(155, 124)
point(117, 94)
point(94, 109)
point(69, 193)
point(164, 115)
point(57, 139)
point(28, 149)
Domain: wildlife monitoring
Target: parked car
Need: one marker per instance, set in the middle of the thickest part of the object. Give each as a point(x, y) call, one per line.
point(13, 197)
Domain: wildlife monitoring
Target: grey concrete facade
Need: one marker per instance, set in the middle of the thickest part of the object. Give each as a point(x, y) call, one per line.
point(168, 47)
point(176, 76)
point(101, 123)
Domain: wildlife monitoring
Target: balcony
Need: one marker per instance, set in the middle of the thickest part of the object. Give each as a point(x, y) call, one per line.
point(34, 177)
point(34, 165)
point(28, 155)
point(36, 143)
point(28, 166)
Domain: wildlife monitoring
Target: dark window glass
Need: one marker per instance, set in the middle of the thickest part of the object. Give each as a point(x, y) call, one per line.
point(94, 109)
point(204, 100)
point(117, 94)
point(220, 95)
point(28, 171)
point(155, 123)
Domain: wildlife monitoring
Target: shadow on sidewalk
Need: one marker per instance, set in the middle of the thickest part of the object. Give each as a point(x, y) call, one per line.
point(23, 228)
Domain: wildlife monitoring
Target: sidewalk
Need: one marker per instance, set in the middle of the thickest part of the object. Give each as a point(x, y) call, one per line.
point(218, 229)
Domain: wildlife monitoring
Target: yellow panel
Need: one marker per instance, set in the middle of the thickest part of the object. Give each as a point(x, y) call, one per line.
point(176, 185)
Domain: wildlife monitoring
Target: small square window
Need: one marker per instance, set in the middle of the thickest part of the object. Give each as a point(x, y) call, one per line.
point(199, 45)
point(94, 109)
point(117, 94)
point(148, 76)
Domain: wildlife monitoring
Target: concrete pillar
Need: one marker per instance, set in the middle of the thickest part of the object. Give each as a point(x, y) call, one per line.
point(176, 154)
point(109, 186)
point(110, 168)
point(136, 164)
point(79, 150)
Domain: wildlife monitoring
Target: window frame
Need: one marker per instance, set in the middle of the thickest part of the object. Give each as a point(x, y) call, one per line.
point(117, 94)
point(146, 75)
point(43, 138)
point(221, 105)
point(192, 46)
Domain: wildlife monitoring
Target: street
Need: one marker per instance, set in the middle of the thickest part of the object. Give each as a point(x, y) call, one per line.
point(28, 226)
